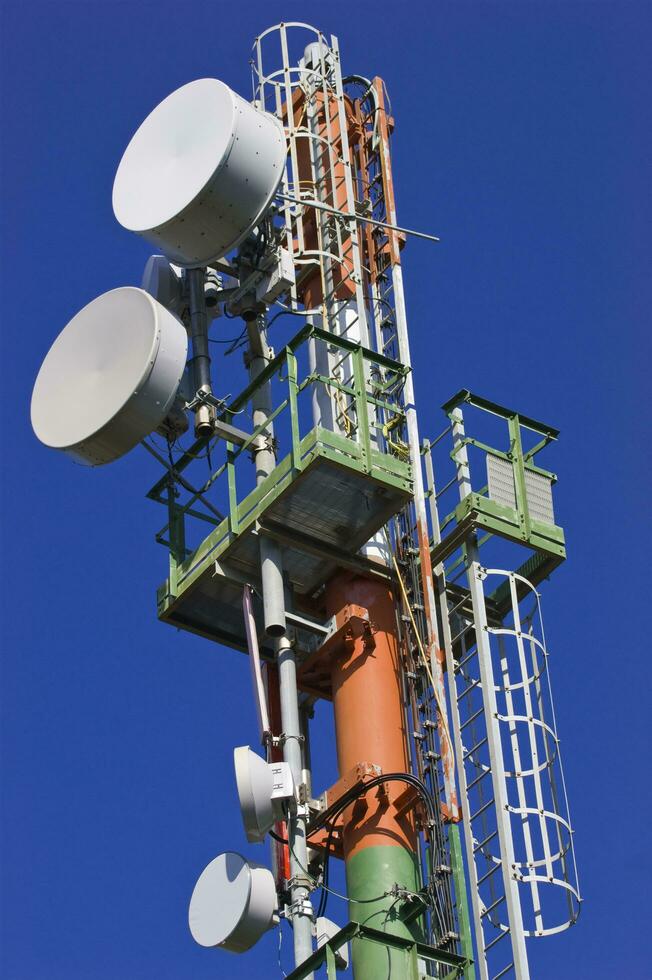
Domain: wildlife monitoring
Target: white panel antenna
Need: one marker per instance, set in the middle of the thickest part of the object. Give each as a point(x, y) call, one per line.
point(164, 282)
point(110, 377)
point(199, 173)
point(325, 929)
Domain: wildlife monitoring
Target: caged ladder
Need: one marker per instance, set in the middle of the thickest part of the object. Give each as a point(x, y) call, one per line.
point(518, 840)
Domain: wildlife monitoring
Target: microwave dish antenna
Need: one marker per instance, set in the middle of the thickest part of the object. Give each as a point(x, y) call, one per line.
point(199, 173)
point(110, 378)
point(264, 791)
point(233, 903)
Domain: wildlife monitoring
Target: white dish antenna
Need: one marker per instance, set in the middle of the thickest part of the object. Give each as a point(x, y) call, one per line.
point(110, 378)
point(199, 173)
point(233, 903)
point(264, 791)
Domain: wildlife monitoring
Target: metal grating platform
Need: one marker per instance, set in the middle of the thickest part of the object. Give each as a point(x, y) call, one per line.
point(321, 511)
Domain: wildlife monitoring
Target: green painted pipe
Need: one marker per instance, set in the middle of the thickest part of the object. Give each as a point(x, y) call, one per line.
point(371, 872)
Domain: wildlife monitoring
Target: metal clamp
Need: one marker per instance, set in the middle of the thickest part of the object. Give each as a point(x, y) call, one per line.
point(302, 906)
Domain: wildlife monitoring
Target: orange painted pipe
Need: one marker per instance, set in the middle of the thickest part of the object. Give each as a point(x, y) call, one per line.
point(369, 717)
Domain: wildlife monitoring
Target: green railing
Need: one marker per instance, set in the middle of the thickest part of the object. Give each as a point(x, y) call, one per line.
point(362, 387)
point(325, 955)
point(519, 518)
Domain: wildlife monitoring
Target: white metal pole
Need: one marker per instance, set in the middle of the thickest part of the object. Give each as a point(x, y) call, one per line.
point(265, 461)
point(300, 911)
point(448, 762)
point(201, 361)
point(494, 744)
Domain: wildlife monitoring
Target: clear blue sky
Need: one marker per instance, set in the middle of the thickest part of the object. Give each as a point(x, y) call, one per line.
point(522, 139)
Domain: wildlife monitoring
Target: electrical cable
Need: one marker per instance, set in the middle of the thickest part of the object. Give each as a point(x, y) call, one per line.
point(323, 900)
point(286, 312)
point(345, 800)
point(238, 342)
point(280, 946)
point(357, 791)
point(345, 898)
point(442, 711)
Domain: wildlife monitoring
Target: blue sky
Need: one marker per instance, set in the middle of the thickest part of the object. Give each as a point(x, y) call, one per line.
point(522, 139)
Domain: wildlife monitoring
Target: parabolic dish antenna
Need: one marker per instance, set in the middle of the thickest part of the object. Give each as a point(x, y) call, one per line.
point(255, 782)
point(199, 173)
point(110, 377)
point(233, 903)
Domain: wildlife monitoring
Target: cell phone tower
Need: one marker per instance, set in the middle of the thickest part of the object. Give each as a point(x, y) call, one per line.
point(351, 559)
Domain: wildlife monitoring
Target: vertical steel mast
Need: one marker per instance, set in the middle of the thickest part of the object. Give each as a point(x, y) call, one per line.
point(339, 167)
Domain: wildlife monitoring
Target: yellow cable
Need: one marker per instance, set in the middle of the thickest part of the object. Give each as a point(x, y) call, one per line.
point(442, 712)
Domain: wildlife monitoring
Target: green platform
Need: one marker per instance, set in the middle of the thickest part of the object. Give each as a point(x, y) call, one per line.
point(330, 492)
point(321, 512)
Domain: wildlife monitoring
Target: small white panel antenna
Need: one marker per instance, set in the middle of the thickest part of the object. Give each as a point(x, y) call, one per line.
point(233, 904)
point(110, 378)
point(163, 281)
point(325, 929)
point(264, 790)
point(199, 173)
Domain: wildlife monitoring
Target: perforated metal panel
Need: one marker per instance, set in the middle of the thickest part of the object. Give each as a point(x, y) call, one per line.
point(539, 497)
point(500, 479)
point(538, 488)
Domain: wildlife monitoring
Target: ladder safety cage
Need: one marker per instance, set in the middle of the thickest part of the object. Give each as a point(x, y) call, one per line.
point(296, 75)
point(519, 839)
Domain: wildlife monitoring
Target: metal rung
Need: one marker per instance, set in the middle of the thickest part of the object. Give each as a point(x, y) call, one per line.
point(489, 873)
point(482, 809)
point(433, 442)
point(496, 940)
point(474, 748)
point(467, 690)
point(464, 630)
point(503, 972)
point(474, 653)
point(472, 718)
point(477, 779)
point(447, 487)
point(491, 907)
point(482, 843)
point(458, 605)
